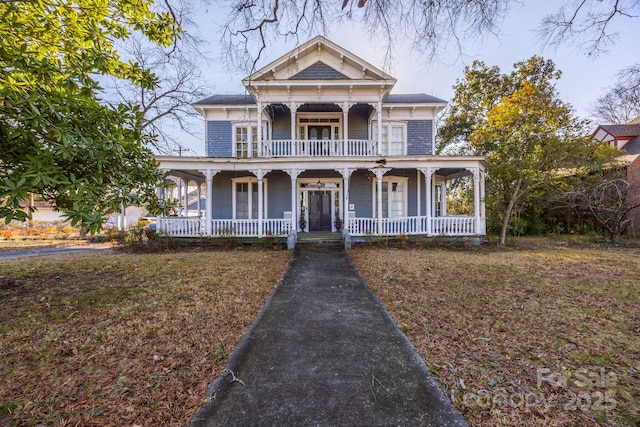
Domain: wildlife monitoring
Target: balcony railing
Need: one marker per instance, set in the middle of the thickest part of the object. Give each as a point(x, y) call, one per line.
point(319, 148)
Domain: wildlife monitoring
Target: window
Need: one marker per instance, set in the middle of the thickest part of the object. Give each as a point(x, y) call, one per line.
point(244, 134)
point(394, 197)
point(242, 141)
point(437, 200)
point(393, 139)
point(245, 198)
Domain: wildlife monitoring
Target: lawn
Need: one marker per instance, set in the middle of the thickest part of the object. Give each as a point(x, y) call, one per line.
point(542, 334)
point(123, 339)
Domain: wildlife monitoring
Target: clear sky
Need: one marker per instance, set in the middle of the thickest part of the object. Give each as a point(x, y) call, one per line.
point(584, 78)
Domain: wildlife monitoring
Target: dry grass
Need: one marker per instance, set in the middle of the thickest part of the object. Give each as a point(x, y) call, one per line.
point(121, 339)
point(545, 334)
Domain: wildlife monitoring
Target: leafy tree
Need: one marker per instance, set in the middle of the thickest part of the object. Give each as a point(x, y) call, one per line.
point(57, 139)
point(519, 123)
point(431, 26)
point(621, 103)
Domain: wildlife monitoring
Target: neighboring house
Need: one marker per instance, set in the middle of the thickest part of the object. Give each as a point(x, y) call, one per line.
point(627, 139)
point(319, 143)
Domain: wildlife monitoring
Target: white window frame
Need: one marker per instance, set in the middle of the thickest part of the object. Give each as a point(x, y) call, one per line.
point(390, 180)
point(253, 186)
point(252, 136)
point(389, 125)
point(303, 127)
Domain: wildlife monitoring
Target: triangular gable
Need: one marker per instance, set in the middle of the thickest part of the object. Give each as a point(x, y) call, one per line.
point(319, 71)
point(319, 49)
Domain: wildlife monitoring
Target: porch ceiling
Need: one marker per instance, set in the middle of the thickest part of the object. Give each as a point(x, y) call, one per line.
point(192, 166)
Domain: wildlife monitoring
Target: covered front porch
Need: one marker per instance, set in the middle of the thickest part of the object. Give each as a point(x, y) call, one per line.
point(359, 198)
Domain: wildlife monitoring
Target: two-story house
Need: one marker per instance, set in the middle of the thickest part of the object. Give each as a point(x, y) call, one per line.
point(319, 143)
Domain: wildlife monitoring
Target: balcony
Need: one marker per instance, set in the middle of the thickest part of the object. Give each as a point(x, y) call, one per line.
point(319, 148)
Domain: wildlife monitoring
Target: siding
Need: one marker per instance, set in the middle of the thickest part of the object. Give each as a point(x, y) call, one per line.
point(222, 202)
point(360, 194)
point(219, 139)
point(281, 124)
point(279, 194)
point(420, 137)
point(359, 122)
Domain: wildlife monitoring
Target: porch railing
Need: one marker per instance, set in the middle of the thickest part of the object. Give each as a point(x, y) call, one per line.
point(180, 226)
point(447, 226)
point(195, 227)
point(319, 148)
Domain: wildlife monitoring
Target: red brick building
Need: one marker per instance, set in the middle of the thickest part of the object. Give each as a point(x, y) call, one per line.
point(627, 139)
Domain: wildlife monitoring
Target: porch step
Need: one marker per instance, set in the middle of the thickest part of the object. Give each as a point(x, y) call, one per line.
point(329, 240)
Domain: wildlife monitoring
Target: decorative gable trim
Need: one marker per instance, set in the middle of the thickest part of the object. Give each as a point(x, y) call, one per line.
point(313, 51)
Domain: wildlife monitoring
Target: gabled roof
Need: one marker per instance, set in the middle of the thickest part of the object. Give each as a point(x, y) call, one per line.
point(412, 98)
point(633, 146)
point(230, 99)
point(319, 71)
point(330, 55)
point(621, 130)
point(246, 99)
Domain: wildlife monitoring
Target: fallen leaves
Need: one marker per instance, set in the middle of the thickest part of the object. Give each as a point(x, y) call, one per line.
point(486, 322)
point(99, 339)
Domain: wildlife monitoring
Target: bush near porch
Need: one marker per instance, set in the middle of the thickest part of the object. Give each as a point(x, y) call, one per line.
point(502, 329)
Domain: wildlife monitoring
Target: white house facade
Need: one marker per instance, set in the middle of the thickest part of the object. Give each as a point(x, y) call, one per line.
point(320, 144)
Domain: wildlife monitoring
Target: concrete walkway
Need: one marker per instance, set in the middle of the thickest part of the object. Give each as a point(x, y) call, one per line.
point(323, 351)
point(21, 253)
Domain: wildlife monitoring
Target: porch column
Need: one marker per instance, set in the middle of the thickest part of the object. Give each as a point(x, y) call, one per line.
point(379, 108)
point(346, 174)
point(293, 173)
point(379, 173)
point(259, 137)
point(208, 175)
point(293, 107)
point(476, 199)
point(429, 202)
point(186, 197)
point(260, 173)
point(199, 198)
point(346, 106)
point(483, 214)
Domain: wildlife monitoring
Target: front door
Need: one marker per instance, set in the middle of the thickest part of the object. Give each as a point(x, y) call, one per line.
point(319, 210)
point(320, 133)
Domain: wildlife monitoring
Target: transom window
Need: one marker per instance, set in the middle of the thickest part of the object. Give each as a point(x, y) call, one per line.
point(394, 137)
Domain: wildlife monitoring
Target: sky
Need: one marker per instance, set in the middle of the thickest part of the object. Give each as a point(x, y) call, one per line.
point(584, 78)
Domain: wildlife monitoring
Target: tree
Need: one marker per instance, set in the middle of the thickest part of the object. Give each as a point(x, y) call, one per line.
point(621, 103)
point(587, 23)
point(431, 26)
point(57, 139)
point(608, 201)
point(519, 123)
point(179, 81)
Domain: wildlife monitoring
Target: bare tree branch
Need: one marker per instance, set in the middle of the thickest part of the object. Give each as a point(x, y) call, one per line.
point(587, 23)
point(621, 103)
